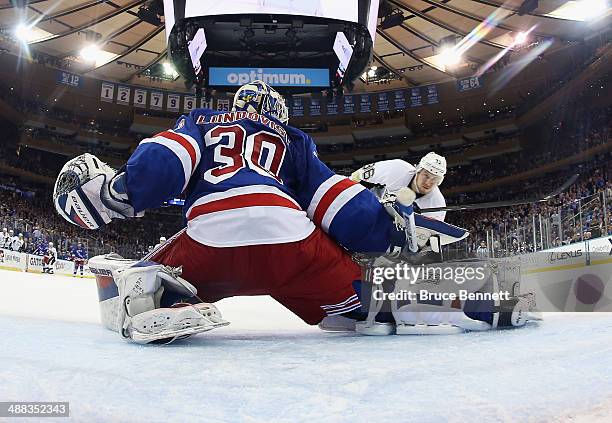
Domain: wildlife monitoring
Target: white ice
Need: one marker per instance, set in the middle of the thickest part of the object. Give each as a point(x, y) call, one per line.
point(268, 366)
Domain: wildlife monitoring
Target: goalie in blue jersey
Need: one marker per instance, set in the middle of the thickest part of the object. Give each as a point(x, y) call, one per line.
point(264, 217)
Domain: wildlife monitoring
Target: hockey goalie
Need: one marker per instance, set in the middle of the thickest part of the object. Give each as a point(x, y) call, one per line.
point(264, 217)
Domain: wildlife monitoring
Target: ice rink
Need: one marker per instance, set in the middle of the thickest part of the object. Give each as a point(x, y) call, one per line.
point(267, 366)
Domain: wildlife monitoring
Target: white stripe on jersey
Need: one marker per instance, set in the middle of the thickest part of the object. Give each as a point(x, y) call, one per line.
point(251, 189)
point(247, 225)
point(188, 162)
point(339, 202)
point(320, 192)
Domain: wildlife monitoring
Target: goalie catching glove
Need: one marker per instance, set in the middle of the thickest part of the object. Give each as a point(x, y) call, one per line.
point(89, 193)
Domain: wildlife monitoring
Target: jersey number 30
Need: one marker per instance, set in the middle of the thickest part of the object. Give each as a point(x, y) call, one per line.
point(262, 152)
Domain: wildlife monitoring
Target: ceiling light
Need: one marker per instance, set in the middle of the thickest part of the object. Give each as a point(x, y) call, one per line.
point(372, 73)
point(90, 53)
point(520, 38)
point(169, 69)
point(450, 56)
point(373, 68)
point(22, 31)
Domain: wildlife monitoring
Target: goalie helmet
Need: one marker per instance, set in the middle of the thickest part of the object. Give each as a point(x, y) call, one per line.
point(259, 97)
point(434, 164)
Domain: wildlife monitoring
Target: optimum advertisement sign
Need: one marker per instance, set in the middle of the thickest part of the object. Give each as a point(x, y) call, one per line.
point(276, 77)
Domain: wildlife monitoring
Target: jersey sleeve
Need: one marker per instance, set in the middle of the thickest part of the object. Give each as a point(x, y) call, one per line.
point(342, 208)
point(161, 166)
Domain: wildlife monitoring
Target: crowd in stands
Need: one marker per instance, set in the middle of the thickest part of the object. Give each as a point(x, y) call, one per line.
point(583, 211)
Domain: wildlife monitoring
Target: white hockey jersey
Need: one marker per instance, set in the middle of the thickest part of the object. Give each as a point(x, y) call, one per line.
point(396, 174)
point(4, 237)
point(51, 252)
point(16, 243)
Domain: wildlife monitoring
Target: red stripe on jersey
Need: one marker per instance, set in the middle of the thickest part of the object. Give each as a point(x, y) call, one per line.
point(240, 201)
point(182, 141)
point(329, 197)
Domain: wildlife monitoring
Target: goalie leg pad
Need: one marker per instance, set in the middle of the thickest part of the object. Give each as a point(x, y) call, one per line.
point(140, 317)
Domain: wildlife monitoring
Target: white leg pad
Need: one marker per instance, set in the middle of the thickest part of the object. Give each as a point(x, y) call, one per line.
point(140, 317)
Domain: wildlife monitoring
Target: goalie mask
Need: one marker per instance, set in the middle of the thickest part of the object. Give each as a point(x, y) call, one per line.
point(259, 97)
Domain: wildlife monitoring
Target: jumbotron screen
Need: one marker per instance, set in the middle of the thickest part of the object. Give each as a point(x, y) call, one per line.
point(358, 11)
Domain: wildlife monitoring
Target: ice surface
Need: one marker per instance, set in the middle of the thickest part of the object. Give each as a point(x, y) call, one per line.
point(269, 367)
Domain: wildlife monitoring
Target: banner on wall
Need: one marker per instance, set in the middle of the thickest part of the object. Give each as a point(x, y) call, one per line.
point(469, 83)
point(416, 97)
point(123, 95)
point(315, 107)
point(206, 104)
point(173, 102)
point(140, 98)
point(332, 107)
point(189, 103)
point(382, 102)
point(107, 92)
point(365, 103)
point(156, 100)
point(223, 105)
point(348, 105)
point(297, 107)
point(399, 99)
point(70, 79)
point(432, 94)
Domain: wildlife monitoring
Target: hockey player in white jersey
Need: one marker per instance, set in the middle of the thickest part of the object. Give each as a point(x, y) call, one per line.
point(3, 237)
point(8, 239)
point(421, 182)
point(420, 185)
point(49, 259)
point(18, 243)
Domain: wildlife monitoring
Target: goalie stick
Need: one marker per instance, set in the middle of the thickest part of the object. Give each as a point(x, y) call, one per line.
point(506, 203)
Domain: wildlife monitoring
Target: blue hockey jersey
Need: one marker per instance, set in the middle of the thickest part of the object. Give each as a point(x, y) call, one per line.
point(248, 180)
point(79, 253)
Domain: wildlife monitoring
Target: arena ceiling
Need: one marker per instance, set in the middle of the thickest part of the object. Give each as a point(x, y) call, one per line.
point(418, 41)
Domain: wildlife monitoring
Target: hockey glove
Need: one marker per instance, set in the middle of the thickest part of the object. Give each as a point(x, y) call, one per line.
point(89, 193)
